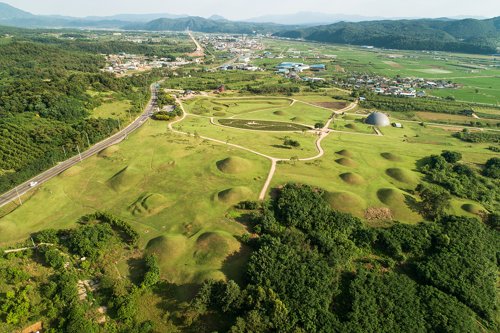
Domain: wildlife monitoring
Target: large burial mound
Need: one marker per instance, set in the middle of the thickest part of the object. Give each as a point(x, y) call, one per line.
point(212, 248)
point(352, 178)
point(234, 164)
point(346, 162)
point(472, 208)
point(149, 204)
point(345, 153)
point(346, 202)
point(124, 179)
point(391, 157)
point(235, 195)
point(402, 175)
point(398, 201)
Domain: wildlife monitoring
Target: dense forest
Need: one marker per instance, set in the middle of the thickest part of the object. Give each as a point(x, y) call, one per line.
point(467, 36)
point(46, 96)
point(317, 270)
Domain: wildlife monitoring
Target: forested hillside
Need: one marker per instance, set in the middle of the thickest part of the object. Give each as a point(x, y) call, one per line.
point(46, 95)
point(469, 36)
point(207, 25)
point(317, 270)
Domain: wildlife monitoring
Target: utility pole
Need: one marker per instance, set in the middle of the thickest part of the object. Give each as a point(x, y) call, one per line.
point(79, 154)
point(19, 197)
point(88, 141)
point(64, 150)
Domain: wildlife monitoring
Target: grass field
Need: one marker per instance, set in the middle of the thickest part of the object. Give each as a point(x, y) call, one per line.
point(170, 188)
point(361, 171)
point(114, 110)
point(262, 125)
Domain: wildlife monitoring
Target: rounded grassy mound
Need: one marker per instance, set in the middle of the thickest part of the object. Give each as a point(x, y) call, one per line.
point(345, 152)
point(108, 152)
point(279, 113)
point(167, 248)
point(219, 114)
point(346, 202)
point(212, 247)
point(235, 195)
point(124, 179)
point(149, 204)
point(73, 171)
point(233, 165)
point(391, 157)
point(351, 126)
point(390, 196)
point(472, 208)
point(352, 178)
point(346, 162)
point(297, 119)
point(402, 175)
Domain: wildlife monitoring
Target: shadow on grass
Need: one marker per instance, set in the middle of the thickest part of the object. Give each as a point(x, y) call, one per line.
point(234, 266)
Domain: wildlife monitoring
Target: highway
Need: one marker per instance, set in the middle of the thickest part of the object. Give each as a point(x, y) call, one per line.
point(25, 187)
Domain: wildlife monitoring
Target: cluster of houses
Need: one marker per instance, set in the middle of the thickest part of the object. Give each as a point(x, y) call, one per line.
point(233, 44)
point(298, 67)
point(123, 63)
point(399, 86)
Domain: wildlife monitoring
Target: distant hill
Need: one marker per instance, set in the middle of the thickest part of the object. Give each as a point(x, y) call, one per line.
point(469, 35)
point(8, 12)
point(310, 18)
point(201, 24)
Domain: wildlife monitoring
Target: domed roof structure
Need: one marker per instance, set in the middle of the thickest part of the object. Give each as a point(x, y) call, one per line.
point(378, 119)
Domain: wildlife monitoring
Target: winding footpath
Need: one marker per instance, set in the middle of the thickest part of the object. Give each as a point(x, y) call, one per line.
point(322, 133)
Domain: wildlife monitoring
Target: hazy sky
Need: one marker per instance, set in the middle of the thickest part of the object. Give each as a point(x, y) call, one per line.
point(239, 9)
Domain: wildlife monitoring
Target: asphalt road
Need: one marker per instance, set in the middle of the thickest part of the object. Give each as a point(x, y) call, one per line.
point(62, 166)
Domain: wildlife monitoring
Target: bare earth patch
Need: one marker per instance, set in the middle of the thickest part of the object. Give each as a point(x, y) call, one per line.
point(378, 214)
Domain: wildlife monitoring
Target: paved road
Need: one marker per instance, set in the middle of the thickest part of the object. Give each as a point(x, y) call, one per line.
point(62, 166)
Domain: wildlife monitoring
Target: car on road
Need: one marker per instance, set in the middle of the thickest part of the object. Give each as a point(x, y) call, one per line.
point(33, 184)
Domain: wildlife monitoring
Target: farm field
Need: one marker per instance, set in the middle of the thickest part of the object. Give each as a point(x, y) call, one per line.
point(478, 74)
point(113, 110)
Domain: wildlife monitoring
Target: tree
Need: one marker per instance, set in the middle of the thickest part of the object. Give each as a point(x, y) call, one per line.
point(492, 168)
point(451, 156)
point(152, 275)
point(319, 125)
point(54, 258)
point(15, 307)
point(435, 200)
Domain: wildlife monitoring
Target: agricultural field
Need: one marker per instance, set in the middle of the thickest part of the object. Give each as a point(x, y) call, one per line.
point(478, 74)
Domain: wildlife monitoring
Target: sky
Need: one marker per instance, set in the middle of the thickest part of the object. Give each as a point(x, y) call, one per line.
point(242, 9)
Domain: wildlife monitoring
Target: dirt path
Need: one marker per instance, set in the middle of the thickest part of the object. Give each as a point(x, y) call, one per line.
point(322, 133)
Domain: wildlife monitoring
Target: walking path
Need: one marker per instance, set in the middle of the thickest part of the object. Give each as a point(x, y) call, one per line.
point(322, 133)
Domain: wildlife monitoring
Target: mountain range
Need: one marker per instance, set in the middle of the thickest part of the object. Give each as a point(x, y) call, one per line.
point(468, 35)
point(445, 34)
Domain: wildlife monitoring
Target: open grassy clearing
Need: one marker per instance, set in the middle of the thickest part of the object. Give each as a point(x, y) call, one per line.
point(114, 110)
point(268, 143)
point(220, 107)
point(263, 125)
point(149, 180)
point(298, 113)
point(361, 172)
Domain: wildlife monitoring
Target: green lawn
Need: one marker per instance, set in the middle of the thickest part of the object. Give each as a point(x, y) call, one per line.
point(166, 186)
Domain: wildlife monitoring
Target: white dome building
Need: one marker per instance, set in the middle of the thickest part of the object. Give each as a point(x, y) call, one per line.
point(378, 119)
